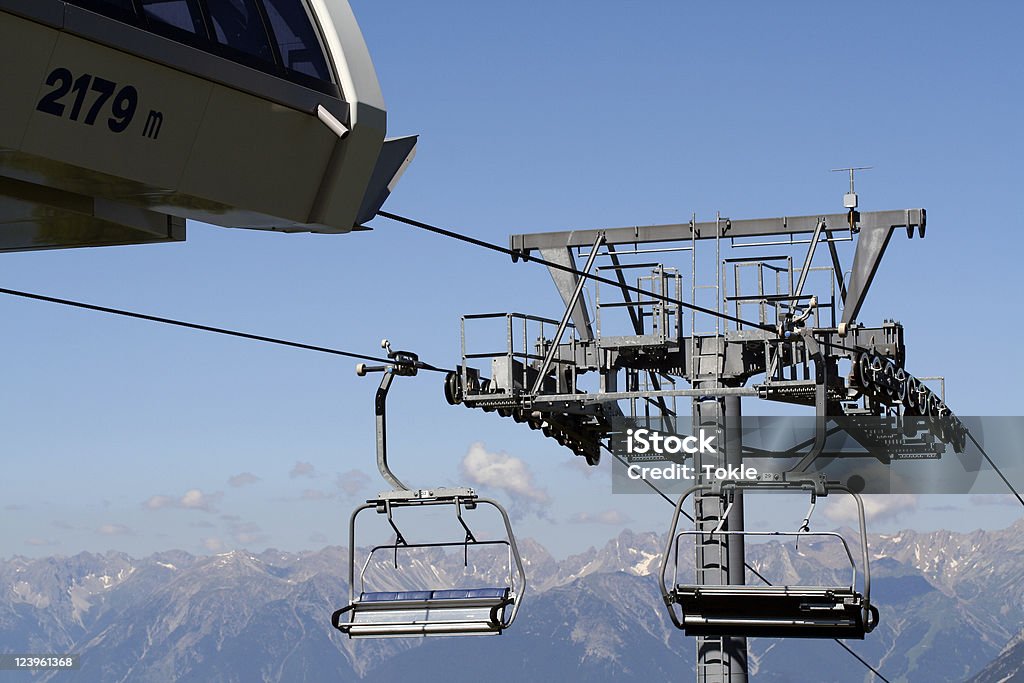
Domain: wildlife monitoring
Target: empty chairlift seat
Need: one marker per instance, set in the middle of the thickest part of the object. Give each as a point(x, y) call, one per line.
point(459, 610)
point(772, 611)
point(473, 611)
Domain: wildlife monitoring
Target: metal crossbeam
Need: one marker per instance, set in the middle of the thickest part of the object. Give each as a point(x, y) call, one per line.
point(749, 227)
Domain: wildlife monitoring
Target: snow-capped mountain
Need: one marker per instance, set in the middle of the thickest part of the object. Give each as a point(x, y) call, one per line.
point(950, 604)
point(1008, 667)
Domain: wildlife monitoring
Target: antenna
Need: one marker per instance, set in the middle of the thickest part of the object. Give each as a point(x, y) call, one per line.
point(850, 198)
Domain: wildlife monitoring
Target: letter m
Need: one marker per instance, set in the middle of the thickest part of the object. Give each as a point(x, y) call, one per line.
point(154, 122)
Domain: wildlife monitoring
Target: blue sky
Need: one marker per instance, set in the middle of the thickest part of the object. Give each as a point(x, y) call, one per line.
point(532, 116)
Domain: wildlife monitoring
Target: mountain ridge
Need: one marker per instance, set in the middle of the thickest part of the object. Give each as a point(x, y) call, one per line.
point(948, 603)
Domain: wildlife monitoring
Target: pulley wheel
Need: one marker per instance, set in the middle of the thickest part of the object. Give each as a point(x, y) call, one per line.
point(889, 379)
point(864, 370)
point(453, 388)
point(910, 392)
point(900, 377)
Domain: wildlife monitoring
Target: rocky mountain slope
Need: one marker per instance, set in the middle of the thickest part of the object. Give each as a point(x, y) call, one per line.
point(950, 604)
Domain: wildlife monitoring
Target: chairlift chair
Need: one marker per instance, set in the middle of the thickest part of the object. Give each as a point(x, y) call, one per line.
point(771, 611)
point(461, 610)
point(455, 611)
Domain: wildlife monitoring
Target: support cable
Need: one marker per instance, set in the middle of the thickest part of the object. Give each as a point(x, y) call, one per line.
point(568, 269)
point(586, 276)
point(753, 571)
point(998, 471)
point(209, 328)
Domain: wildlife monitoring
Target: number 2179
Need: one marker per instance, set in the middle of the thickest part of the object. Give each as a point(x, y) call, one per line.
point(123, 102)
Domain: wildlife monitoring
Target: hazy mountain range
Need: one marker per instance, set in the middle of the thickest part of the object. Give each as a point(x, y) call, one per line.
point(952, 608)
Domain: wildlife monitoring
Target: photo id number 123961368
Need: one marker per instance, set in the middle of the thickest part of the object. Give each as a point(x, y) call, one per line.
point(14, 662)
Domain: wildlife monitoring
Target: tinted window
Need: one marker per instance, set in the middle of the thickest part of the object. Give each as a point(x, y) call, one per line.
point(175, 13)
point(296, 38)
point(238, 24)
point(111, 8)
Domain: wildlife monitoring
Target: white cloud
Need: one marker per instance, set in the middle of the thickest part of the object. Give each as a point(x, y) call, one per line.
point(502, 471)
point(243, 479)
point(612, 517)
point(114, 530)
point(213, 544)
point(994, 499)
point(352, 482)
point(245, 533)
point(303, 469)
point(38, 542)
point(193, 499)
point(580, 467)
point(843, 509)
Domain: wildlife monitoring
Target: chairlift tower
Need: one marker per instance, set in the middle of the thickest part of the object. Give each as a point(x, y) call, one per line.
point(777, 319)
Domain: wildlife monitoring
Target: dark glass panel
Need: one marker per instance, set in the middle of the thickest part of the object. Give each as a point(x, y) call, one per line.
point(238, 25)
point(176, 14)
point(297, 39)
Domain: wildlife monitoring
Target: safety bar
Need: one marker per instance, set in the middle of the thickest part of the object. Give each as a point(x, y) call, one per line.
point(451, 544)
point(800, 534)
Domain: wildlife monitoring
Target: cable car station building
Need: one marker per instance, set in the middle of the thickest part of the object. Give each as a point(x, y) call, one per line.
point(123, 118)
